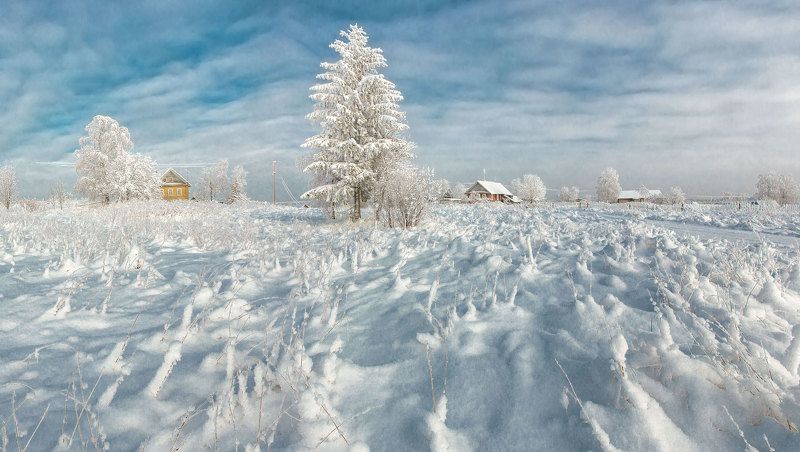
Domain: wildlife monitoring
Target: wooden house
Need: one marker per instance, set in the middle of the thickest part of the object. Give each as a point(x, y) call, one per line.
point(174, 186)
point(490, 191)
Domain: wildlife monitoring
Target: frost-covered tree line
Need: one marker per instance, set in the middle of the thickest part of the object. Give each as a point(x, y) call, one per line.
point(107, 169)
point(360, 154)
point(109, 172)
point(215, 185)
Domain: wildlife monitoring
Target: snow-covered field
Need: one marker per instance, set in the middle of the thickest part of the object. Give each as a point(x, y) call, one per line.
point(215, 327)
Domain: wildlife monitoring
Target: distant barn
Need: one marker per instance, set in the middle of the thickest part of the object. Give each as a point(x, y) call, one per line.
point(491, 191)
point(637, 195)
point(174, 186)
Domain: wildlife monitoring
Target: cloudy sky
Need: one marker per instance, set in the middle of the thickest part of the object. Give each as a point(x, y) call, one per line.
point(705, 95)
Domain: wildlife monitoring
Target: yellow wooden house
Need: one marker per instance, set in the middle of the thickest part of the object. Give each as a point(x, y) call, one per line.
point(174, 186)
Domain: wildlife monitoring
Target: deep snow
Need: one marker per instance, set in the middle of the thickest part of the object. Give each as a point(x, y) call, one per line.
point(203, 326)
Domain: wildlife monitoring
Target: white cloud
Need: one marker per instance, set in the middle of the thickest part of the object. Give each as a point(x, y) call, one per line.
point(699, 94)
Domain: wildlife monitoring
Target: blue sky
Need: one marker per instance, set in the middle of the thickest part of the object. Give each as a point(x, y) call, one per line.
point(705, 95)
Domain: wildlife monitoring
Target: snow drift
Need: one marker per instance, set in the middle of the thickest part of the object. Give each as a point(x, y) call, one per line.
point(202, 326)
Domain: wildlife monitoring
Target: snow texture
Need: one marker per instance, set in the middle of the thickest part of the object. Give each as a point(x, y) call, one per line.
point(207, 326)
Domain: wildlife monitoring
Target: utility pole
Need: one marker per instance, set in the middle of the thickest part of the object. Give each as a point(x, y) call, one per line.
point(274, 179)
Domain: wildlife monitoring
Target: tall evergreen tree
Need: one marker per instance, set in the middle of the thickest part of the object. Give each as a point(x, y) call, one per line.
point(360, 140)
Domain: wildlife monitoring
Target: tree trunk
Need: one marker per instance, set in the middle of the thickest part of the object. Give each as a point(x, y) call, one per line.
point(356, 204)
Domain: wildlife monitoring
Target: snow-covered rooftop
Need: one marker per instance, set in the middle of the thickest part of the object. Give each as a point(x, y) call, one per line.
point(636, 194)
point(172, 177)
point(494, 188)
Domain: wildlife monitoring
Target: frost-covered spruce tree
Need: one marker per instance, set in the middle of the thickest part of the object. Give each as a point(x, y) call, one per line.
point(107, 171)
point(360, 141)
point(8, 185)
point(238, 190)
point(530, 188)
point(608, 187)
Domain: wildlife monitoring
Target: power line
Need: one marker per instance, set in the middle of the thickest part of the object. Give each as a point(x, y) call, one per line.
point(172, 165)
point(64, 164)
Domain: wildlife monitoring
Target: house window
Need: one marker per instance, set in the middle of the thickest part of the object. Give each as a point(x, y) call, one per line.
point(180, 191)
point(169, 192)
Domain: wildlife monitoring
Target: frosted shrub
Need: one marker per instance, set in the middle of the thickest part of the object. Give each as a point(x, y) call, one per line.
point(778, 187)
point(407, 195)
point(238, 190)
point(676, 196)
point(58, 195)
point(568, 194)
point(30, 205)
point(530, 188)
point(214, 182)
point(608, 187)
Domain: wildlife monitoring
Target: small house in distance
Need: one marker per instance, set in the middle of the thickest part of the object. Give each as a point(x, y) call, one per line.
point(490, 191)
point(174, 186)
point(636, 195)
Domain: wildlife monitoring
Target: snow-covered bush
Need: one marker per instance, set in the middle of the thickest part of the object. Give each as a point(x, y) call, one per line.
point(778, 187)
point(408, 193)
point(530, 188)
point(8, 185)
point(214, 182)
point(676, 196)
point(107, 171)
point(568, 194)
point(238, 190)
point(30, 205)
point(444, 191)
point(608, 187)
point(360, 142)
